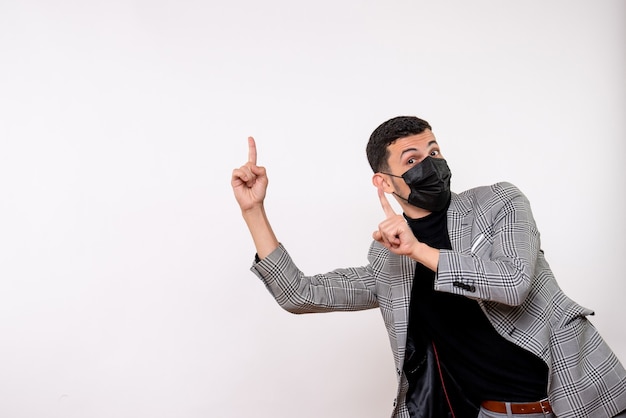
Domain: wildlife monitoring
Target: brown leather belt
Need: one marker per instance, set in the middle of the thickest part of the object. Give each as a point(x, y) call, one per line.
point(540, 407)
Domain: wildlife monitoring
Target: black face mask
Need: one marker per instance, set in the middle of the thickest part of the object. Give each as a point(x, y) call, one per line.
point(429, 182)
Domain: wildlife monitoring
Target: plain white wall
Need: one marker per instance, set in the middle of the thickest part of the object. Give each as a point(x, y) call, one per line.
point(124, 282)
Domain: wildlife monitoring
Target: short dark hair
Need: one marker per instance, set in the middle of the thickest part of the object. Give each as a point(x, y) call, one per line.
point(387, 133)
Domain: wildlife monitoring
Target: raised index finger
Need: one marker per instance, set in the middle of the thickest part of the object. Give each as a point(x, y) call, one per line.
point(251, 150)
point(389, 212)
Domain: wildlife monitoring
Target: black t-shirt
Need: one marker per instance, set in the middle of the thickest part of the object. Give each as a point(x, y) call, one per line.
point(483, 363)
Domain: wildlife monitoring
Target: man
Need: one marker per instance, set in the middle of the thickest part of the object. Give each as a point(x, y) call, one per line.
point(477, 323)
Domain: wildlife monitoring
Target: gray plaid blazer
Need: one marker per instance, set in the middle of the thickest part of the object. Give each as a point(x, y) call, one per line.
point(496, 259)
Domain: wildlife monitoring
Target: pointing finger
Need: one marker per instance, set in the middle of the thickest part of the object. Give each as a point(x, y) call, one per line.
point(251, 150)
point(389, 212)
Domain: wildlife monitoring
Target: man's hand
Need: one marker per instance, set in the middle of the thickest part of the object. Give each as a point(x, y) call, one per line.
point(250, 181)
point(394, 232)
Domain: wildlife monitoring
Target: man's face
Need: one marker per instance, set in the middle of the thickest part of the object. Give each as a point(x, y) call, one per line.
point(405, 153)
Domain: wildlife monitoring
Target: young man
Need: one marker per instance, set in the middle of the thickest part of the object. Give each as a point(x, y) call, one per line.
point(477, 323)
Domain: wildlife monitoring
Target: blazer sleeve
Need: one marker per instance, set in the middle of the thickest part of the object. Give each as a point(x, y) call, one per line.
point(347, 289)
point(500, 265)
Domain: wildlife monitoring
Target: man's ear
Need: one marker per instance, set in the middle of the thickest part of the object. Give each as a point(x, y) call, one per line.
point(380, 182)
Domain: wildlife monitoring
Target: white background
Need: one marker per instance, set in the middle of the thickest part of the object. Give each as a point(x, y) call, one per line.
point(125, 288)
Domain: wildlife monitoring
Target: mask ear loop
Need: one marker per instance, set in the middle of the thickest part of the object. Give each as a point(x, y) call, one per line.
point(405, 199)
point(398, 177)
point(392, 175)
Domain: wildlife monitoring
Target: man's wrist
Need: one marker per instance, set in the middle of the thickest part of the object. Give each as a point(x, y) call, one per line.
point(426, 255)
point(253, 211)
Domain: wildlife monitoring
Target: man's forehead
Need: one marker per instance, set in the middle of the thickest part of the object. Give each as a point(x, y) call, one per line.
point(419, 142)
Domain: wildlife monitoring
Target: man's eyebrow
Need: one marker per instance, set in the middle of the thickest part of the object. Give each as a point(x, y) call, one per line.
point(407, 150)
point(430, 144)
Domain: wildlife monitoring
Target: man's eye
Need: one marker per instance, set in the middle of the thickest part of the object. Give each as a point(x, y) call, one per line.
point(434, 153)
point(410, 161)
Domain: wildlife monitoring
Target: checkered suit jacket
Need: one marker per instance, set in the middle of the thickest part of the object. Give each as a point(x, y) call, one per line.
point(495, 259)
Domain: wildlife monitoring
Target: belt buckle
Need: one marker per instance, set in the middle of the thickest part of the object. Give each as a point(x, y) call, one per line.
point(545, 409)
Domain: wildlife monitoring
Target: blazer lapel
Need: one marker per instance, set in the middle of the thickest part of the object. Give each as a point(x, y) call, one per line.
point(460, 221)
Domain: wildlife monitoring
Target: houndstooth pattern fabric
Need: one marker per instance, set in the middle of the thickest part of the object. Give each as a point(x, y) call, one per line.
point(496, 258)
